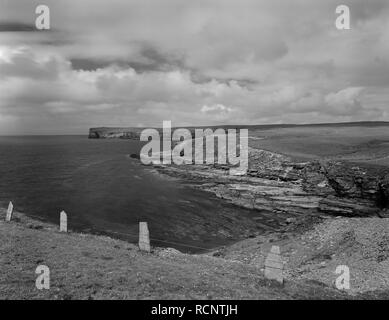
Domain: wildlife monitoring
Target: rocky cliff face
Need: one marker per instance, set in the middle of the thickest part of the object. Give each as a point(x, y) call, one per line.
point(275, 184)
point(108, 133)
point(352, 189)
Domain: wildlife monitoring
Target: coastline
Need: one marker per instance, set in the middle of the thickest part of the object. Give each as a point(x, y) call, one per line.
point(275, 184)
point(321, 213)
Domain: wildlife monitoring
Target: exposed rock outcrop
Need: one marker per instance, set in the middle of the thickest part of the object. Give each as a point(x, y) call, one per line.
point(347, 207)
point(283, 188)
point(110, 133)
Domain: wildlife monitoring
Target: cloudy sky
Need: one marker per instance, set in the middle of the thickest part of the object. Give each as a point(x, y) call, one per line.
point(138, 62)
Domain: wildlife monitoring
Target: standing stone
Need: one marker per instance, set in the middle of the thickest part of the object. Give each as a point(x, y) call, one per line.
point(10, 210)
point(63, 222)
point(274, 265)
point(144, 237)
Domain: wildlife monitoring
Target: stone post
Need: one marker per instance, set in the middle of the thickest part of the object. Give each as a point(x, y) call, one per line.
point(274, 265)
point(63, 222)
point(144, 237)
point(10, 210)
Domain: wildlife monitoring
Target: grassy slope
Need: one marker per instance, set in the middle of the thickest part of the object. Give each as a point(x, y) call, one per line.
point(314, 252)
point(353, 143)
point(94, 267)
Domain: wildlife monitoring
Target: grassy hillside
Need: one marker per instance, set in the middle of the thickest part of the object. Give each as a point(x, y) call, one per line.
point(359, 143)
point(94, 267)
point(84, 266)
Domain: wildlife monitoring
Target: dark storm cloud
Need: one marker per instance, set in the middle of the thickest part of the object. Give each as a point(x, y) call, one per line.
point(16, 27)
point(156, 60)
point(147, 59)
point(199, 78)
point(366, 10)
point(54, 42)
point(88, 64)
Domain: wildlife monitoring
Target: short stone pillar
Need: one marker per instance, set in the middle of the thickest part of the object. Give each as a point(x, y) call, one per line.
point(63, 222)
point(144, 237)
point(274, 265)
point(10, 210)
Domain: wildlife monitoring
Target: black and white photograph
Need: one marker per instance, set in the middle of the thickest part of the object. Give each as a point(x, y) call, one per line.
point(208, 151)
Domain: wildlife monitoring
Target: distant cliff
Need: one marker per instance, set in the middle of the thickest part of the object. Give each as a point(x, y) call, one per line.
point(134, 133)
point(109, 133)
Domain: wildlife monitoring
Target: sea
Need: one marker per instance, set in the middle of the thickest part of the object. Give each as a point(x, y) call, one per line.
point(104, 190)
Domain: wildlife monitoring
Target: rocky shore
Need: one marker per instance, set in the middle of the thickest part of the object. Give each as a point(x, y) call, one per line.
point(276, 185)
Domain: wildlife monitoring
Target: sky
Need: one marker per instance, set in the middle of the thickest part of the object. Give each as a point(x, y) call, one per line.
point(135, 63)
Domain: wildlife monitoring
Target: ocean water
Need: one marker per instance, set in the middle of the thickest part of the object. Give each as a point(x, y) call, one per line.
point(103, 190)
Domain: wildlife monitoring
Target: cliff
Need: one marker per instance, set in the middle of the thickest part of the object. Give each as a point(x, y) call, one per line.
point(284, 189)
point(109, 133)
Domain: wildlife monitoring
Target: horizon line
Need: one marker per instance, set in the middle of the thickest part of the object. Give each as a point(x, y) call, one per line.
point(208, 126)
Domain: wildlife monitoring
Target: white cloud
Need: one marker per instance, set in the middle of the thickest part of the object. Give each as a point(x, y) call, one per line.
point(216, 108)
point(194, 63)
point(346, 101)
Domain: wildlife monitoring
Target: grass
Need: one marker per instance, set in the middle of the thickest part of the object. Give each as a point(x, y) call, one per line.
point(353, 143)
point(84, 266)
